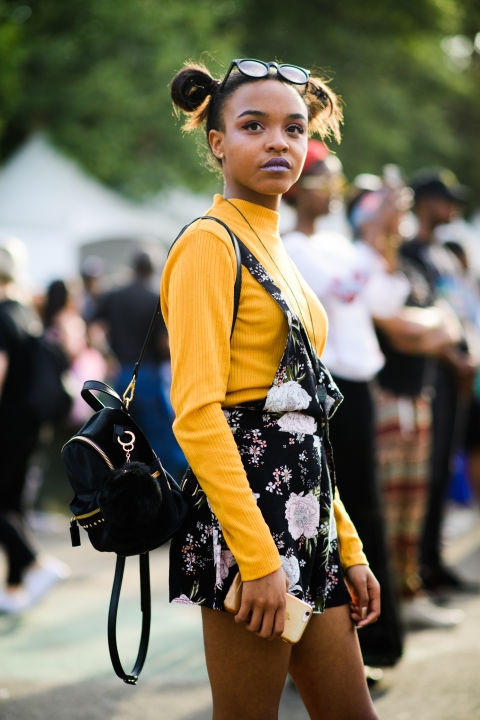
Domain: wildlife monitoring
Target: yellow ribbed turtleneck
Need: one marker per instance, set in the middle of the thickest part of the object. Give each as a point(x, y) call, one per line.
point(211, 371)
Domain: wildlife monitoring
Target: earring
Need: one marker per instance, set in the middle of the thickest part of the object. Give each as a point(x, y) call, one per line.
point(220, 156)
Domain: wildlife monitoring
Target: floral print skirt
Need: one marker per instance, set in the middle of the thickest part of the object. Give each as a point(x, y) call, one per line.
point(287, 470)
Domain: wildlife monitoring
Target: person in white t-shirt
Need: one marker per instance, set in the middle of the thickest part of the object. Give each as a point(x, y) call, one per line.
point(354, 282)
point(363, 291)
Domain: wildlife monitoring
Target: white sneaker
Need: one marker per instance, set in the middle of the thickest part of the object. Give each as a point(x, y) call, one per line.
point(422, 613)
point(41, 578)
point(13, 603)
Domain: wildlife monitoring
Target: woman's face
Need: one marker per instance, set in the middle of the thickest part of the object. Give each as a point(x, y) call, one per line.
point(263, 142)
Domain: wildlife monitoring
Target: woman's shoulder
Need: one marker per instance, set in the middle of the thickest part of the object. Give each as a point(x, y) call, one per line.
point(206, 234)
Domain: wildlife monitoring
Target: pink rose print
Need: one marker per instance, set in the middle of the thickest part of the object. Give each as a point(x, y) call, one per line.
point(226, 562)
point(182, 600)
point(302, 514)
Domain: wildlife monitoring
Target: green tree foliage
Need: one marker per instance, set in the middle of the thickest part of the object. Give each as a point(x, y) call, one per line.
point(10, 63)
point(95, 74)
point(405, 101)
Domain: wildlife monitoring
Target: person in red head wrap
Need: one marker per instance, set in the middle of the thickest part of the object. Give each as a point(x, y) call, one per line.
point(317, 152)
point(341, 274)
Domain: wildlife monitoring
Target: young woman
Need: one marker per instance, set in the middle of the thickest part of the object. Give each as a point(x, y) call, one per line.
point(252, 409)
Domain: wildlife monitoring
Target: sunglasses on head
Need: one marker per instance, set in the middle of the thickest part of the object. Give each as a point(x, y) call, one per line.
point(259, 69)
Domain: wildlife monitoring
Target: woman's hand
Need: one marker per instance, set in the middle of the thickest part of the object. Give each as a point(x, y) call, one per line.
point(364, 590)
point(262, 608)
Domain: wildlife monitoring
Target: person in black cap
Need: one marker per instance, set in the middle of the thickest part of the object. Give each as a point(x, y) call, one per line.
point(440, 185)
point(438, 200)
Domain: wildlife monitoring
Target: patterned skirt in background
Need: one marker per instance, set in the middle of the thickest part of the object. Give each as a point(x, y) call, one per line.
point(403, 433)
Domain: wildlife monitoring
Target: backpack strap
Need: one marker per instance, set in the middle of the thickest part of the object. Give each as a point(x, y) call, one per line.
point(145, 606)
point(92, 387)
point(99, 395)
point(130, 390)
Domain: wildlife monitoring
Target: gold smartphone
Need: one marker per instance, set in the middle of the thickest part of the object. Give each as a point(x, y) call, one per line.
point(297, 612)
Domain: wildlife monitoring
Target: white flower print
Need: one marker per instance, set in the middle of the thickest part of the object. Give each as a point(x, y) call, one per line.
point(324, 528)
point(273, 487)
point(295, 422)
point(183, 600)
point(332, 535)
point(226, 560)
point(222, 558)
point(302, 514)
point(233, 418)
point(287, 397)
point(292, 569)
point(329, 403)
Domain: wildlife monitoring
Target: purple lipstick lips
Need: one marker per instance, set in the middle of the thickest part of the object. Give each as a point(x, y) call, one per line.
point(276, 164)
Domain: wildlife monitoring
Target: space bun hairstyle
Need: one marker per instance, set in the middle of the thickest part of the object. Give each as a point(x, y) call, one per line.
point(325, 114)
point(192, 90)
point(196, 94)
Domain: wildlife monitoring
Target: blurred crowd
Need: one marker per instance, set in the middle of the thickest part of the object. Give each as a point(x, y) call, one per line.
point(391, 260)
point(385, 256)
point(97, 330)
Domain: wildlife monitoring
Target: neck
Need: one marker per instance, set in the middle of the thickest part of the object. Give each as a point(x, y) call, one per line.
point(270, 202)
point(425, 233)
point(426, 225)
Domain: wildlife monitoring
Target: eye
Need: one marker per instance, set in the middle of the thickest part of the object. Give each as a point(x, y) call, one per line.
point(296, 129)
point(252, 125)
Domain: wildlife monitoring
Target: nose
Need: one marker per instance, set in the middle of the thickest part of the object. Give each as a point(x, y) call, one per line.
point(277, 141)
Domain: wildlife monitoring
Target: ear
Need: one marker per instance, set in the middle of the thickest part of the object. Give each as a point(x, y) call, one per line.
point(215, 138)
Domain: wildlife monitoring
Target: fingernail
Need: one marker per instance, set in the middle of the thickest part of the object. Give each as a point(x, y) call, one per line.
point(364, 613)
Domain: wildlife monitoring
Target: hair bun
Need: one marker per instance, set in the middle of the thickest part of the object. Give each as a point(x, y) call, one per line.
point(321, 95)
point(190, 87)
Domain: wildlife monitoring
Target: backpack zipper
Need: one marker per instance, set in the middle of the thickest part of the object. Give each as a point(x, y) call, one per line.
point(74, 531)
point(76, 519)
point(94, 445)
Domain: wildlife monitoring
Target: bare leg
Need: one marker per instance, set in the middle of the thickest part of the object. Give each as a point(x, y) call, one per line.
point(327, 668)
point(247, 674)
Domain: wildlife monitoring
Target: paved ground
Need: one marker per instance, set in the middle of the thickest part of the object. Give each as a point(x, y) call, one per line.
point(54, 662)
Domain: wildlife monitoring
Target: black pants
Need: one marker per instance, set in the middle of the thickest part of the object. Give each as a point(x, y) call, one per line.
point(352, 432)
point(19, 441)
point(444, 427)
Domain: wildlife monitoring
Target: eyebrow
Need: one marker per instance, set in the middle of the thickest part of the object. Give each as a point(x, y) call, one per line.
point(259, 113)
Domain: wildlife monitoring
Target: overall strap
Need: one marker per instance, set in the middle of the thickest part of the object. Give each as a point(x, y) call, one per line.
point(238, 278)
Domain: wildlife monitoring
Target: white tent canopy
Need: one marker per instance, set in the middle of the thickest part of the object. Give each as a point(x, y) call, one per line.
point(55, 208)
